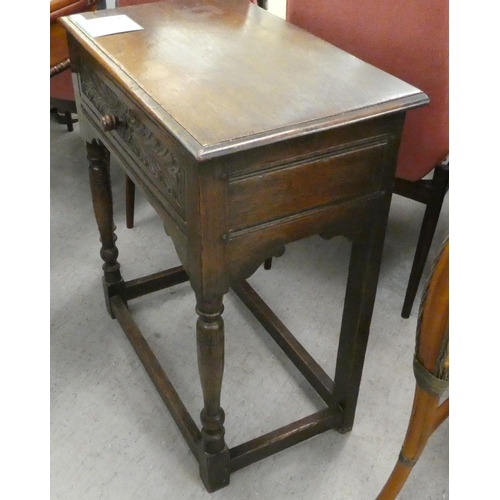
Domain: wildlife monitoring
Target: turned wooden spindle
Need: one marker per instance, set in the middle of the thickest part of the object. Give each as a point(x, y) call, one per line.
point(59, 68)
point(210, 338)
point(102, 201)
point(431, 368)
point(214, 462)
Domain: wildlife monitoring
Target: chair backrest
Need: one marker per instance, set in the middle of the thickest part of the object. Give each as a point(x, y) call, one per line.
point(406, 38)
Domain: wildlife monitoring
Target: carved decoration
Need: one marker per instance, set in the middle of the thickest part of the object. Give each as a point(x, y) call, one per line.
point(154, 155)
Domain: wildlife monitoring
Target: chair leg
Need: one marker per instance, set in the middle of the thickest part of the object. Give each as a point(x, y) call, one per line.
point(268, 263)
point(431, 370)
point(421, 426)
point(64, 112)
point(129, 201)
point(439, 189)
point(69, 121)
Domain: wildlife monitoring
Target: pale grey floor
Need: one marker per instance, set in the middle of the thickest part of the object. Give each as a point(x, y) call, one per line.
point(111, 436)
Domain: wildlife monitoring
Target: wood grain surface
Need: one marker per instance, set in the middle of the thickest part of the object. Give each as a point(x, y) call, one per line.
point(228, 72)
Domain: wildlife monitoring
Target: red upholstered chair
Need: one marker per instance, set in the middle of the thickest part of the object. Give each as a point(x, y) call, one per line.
point(62, 97)
point(408, 39)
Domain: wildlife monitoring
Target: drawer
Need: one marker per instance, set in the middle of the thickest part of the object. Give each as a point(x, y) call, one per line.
point(155, 159)
point(302, 186)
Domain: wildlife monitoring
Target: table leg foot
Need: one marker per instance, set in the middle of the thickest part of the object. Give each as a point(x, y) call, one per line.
point(215, 469)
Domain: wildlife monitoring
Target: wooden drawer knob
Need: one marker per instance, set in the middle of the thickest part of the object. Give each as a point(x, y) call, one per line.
point(109, 122)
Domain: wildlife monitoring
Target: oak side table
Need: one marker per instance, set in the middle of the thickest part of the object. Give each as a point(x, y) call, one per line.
point(245, 133)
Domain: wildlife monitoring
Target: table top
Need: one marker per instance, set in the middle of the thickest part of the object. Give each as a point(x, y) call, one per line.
point(226, 75)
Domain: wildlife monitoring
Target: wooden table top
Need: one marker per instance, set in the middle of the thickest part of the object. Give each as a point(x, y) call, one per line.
point(226, 74)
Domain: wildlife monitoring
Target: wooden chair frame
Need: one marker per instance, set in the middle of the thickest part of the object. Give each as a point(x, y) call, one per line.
point(431, 367)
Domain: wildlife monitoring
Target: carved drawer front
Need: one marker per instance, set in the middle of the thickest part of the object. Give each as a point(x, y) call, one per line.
point(297, 188)
point(160, 161)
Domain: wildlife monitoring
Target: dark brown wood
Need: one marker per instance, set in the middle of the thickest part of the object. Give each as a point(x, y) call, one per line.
point(194, 76)
point(356, 319)
point(69, 120)
point(432, 194)
point(102, 200)
point(210, 338)
point(158, 376)
point(304, 362)
point(65, 111)
point(415, 190)
point(312, 151)
point(294, 189)
point(129, 201)
point(361, 289)
point(280, 439)
point(154, 282)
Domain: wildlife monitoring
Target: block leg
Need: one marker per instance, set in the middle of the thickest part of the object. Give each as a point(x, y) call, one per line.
point(364, 268)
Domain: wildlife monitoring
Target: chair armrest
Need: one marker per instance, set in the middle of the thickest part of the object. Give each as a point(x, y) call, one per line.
point(59, 8)
point(59, 68)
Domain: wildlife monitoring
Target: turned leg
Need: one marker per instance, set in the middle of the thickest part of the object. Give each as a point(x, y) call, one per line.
point(214, 454)
point(100, 185)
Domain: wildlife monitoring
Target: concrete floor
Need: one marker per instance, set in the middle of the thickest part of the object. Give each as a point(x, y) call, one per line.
point(111, 436)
